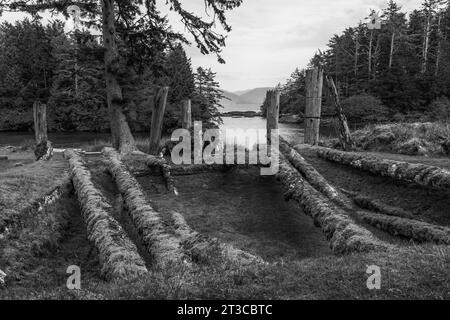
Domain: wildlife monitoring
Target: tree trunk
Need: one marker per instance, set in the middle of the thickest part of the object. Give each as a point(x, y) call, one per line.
point(273, 111)
point(344, 132)
point(186, 114)
point(426, 44)
point(157, 120)
point(370, 54)
point(391, 53)
point(314, 85)
point(121, 137)
point(438, 53)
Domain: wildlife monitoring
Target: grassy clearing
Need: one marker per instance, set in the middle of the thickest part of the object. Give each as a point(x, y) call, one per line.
point(245, 210)
point(413, 273)
point(404, 138)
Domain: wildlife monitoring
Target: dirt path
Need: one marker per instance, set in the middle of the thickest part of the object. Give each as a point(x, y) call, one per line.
point(431, 205)
point(244, 209)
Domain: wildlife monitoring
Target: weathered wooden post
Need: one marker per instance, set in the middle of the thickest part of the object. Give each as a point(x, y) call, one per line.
point(344, 132)
point(157, 119)
point(44, 150)
point(186, 114)
point(273, 111)
point(314, 85)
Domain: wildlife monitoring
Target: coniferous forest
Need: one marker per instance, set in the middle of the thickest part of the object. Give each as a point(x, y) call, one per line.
point(399, 72)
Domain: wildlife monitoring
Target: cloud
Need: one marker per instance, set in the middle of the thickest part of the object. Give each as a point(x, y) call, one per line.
point(270, 38)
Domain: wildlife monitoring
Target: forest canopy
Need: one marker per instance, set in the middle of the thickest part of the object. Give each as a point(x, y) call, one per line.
point(398, 72)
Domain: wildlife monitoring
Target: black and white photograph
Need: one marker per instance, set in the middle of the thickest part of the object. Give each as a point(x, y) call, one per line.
point(224, 156)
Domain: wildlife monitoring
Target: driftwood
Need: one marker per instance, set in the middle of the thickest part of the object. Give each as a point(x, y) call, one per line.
point(202, 247)
point(313, 176)
point(342, 232)
point(118, 254)
point(420, 174)
point(165, 248)
point(411, 229)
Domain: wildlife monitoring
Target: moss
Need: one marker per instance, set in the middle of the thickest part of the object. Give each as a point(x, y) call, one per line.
point(165, 248)
point(117, 253)
point(344, 235)
point(417, 173)
point(411, 229)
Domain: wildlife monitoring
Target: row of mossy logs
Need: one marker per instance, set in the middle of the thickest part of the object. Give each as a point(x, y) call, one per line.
point(164, 247)
point(420, 174)
point(411, 229)
point(342, 232)
point(313, 176)
point(203, 248)
point(118, 254)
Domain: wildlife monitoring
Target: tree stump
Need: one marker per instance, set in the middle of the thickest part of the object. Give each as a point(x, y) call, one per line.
point(157, 120)
point(314, 85)
point(43, 150)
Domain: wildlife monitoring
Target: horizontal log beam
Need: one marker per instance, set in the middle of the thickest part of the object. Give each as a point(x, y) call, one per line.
point(416, 173)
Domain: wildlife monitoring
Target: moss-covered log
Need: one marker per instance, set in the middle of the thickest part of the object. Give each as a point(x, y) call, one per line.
point(342, 232)
point(420, 174)
point(118, 255)
point(161, 164)
point(312, 176)
point(202, 248)
point(164, 247)
point(368, 203)
point(411, 229)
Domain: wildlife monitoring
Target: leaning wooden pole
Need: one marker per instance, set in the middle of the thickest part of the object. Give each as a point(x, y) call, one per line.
point(314, 84)
point(157, 120)
point(273, 111)
point(44, 150)
point(343, 130)
point(186, 114)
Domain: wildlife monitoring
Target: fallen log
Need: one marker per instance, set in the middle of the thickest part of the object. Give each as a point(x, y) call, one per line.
point(165, 248)
point(202, 248)
point(342, 232)
point(411, 229)
point(313, 176)
point(420, 174)
point(368, 203)
point(164, 168)
point(118, 254)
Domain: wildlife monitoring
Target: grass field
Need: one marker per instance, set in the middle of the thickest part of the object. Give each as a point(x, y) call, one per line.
point(237, 207)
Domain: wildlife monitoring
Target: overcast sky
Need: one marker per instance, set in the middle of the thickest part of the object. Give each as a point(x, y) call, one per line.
point(270, 38)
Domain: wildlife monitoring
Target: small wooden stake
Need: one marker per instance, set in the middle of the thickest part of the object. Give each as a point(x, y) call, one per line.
point(314, 84)
point(343, 130)
point(186, 113)
point(273, 111)
point(157, 120)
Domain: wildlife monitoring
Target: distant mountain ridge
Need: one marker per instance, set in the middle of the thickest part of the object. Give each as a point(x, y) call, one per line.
point(244, 100)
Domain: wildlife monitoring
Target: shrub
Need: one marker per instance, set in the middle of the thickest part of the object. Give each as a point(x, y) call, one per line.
point(364, 108)
point(439, 109)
